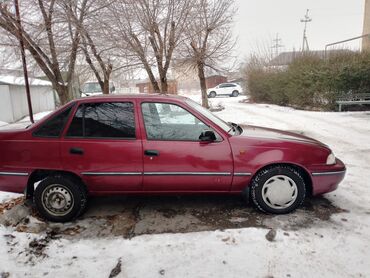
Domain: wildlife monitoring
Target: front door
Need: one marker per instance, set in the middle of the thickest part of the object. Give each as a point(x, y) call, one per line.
point(103, 145)
point(174, 158)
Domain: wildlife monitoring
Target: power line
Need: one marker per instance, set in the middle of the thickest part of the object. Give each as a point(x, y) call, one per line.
point(306, 20)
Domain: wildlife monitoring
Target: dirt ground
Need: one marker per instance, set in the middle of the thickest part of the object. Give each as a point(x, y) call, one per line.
point(132, 216)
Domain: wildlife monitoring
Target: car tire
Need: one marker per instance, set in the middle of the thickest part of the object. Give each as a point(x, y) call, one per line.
point(235, 93)
point(212, 94)
point(278, 189)
point(60, 198)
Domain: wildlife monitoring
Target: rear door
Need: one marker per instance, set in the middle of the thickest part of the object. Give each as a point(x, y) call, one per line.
point(174, 158)
point(103, 145)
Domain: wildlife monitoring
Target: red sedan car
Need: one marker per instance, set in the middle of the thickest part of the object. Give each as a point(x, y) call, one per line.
point(143, 144)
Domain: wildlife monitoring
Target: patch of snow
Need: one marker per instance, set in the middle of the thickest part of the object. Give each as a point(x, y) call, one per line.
point(6, 196)
point(3, 123)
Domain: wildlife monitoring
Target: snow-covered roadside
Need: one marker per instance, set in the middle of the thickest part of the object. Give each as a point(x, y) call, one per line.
point(338, 248)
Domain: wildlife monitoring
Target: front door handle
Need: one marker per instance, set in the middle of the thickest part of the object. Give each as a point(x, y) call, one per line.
point(78, 151)
point(151, 152)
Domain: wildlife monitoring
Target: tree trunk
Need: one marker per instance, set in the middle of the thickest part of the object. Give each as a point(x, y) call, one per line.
point(203, 85)
point(164, 85)
point(106, 89)
point(63, 94)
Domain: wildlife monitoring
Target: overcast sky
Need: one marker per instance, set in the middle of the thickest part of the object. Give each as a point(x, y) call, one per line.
point(258, 21)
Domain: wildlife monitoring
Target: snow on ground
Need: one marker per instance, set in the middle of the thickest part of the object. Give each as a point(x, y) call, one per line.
point(337, 248)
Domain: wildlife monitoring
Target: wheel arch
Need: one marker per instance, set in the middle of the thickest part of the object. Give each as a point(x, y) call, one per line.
point(302, 170)
point(40, 174)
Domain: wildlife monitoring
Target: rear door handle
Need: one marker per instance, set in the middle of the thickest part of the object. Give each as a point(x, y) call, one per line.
point(151, 152)
point(78, 151)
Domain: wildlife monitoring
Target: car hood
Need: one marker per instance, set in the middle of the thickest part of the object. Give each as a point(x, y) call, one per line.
point(269, 133)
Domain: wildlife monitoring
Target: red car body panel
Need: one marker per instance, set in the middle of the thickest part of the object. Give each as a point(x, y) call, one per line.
point(109, 166)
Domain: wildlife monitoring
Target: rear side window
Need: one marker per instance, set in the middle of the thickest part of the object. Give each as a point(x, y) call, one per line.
point(54, 126)
point(104, 120)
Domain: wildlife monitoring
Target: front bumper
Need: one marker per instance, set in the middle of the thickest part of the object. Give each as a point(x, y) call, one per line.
point(327, 178)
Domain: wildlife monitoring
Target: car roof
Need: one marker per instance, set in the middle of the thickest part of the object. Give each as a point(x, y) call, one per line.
point(115, 97)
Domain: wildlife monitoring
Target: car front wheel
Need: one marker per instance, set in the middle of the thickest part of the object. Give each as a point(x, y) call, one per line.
point(212, 94)
point(235, 93)
point(278, 189)
point(60, 199)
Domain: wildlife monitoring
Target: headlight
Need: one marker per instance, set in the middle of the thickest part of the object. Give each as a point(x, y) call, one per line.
point(331, 159)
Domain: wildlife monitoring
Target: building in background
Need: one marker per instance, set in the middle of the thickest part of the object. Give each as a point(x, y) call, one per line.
point(145, 87)
point(214, 80)
point(13, 104)
point(286, 58)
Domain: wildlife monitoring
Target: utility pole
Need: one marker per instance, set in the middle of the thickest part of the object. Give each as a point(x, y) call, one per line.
point(277, 44)
point(23, 54)
point(306, 20)
point(366, 28)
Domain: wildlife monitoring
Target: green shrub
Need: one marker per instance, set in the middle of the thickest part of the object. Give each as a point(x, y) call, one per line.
point(310, 82)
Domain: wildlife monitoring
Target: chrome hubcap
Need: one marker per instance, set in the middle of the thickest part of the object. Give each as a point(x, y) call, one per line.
point(279, 192)
point(57, 200)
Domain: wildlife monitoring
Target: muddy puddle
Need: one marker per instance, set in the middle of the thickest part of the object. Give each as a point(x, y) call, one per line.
point(132, 216)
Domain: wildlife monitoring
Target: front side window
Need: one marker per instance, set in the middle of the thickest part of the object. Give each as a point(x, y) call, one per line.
point(165, 121)
point(208, 114)
point(54, 126)
point(104, 120)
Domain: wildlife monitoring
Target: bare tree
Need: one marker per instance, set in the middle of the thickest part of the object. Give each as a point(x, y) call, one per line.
point(151, 30)
point(51, 41)
point(94, 43)
point(208, 39)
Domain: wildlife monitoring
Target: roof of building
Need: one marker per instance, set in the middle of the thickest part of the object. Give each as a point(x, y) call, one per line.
point(19, 81)
point(286, 58)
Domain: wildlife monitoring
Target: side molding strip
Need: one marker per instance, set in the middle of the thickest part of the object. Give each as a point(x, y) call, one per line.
point(187, 174)
point(242, 174)
point(328, 173)
point(156, 174)
point(112, 173)
point(164, 174)
point(13, 174)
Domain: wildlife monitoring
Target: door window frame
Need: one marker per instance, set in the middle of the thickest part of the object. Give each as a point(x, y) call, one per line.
point(219, 135)
point(75, 109)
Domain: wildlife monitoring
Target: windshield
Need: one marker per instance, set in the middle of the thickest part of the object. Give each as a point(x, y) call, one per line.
point(208, 114)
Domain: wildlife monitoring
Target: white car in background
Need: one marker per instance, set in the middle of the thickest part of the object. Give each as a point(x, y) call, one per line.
point(228, 89)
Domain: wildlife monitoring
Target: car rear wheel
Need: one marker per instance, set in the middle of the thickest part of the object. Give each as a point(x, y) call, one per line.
point(212, 94)
point(235, 93)
point(60, 199)
point(278, 189)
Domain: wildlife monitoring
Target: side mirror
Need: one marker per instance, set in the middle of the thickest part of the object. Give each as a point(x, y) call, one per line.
point(207, 136)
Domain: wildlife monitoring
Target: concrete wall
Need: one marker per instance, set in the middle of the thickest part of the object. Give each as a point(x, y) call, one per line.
point(6, 110)
point(13, 101)
point(366, 40)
